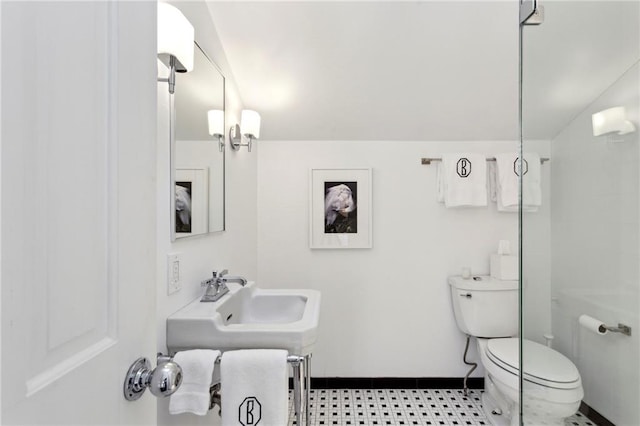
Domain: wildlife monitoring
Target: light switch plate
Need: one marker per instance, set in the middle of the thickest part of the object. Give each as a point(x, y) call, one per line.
point(173, 273)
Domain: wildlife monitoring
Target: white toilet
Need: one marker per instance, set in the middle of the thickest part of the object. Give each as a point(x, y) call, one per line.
point(487, 308)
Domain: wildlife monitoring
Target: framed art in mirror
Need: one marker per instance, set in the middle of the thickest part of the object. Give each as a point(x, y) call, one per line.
point(192, 201)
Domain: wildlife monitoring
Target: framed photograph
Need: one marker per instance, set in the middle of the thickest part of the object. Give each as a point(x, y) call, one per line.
point(340, 208)
point(192, 201)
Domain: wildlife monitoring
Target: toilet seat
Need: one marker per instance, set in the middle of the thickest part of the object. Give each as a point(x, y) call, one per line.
point(542, 365)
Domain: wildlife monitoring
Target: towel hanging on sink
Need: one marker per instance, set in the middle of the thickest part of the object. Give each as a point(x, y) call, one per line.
point(197, 372)
point(254, 387)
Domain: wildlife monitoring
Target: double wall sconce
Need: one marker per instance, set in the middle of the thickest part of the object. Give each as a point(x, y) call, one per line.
point(215, 118)
point(249, 127)
point(175, 42)
point(612, 120)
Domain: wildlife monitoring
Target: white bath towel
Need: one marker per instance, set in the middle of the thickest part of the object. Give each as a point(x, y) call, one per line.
point(197, 371)
point(493, 181)
point(254, 387)
point(507, 182)
point(462, 180)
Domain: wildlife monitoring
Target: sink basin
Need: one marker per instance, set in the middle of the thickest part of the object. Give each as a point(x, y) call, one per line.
point(248, 318)
point(264, 309)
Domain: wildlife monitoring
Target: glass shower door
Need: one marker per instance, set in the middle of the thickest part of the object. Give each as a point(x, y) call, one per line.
point(580, 250)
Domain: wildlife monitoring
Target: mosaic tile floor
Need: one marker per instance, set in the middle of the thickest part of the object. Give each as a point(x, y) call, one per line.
point(371, 407)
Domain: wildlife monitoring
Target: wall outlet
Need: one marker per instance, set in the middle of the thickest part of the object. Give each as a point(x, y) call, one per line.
point(173, 273)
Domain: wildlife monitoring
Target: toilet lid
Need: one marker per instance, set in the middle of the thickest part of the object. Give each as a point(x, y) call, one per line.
point(542, 365)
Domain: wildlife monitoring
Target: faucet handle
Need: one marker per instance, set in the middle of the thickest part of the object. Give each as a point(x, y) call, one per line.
point(207, 282)
point(219, 274)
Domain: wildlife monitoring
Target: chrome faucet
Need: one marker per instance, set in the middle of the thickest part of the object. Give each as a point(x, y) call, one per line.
point(216, 287)
point(234, 279)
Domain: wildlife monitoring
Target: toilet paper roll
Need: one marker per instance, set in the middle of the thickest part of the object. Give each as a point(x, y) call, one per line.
point(592, 324)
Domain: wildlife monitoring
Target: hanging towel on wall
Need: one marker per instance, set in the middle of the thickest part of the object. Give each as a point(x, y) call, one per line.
point(507, 182)
point(254, 387)
point(197, 371)
point(493, 181)
point(462, 180)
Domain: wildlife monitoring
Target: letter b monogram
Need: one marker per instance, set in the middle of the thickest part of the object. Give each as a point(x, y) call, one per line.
point(463, 167)
point(250, 411)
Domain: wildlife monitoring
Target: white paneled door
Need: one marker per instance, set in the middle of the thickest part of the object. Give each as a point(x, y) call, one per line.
point(78, 209)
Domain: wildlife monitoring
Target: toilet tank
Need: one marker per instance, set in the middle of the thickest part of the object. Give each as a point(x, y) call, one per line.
point(484, 306)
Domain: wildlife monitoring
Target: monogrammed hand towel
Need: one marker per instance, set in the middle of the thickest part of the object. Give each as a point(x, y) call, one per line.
point(462, 180)
point(254, 387)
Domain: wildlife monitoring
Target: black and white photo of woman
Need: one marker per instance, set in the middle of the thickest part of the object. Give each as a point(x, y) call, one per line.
point(183, 207)
point(340, 207)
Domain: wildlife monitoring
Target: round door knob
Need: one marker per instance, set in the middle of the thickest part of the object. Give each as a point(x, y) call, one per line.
point(165, 379)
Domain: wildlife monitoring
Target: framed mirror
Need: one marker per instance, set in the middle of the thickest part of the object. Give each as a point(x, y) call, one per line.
point(197, 158)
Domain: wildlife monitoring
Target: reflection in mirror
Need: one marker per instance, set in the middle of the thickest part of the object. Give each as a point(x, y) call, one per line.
point(197, 160)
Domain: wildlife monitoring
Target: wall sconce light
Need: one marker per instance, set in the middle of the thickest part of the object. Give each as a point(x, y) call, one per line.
point(215, 118)
point(250, 125)
point(611, 120)
point(175, 42)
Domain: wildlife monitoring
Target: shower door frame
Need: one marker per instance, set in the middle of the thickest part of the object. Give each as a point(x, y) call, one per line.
point(528, 9)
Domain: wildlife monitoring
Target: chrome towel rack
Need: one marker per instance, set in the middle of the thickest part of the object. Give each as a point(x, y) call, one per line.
point(291, 359)
point(425, 161)
point(296, 361)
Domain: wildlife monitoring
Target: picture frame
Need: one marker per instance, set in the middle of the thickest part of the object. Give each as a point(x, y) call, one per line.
point(192, 201)
point(340, 208)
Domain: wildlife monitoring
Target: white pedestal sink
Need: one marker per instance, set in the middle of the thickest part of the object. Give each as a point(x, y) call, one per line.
point(253, 318)
point(248, 318)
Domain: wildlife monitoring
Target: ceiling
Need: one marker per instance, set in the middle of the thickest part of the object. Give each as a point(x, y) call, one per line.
point(420, 70)
point(580, 50)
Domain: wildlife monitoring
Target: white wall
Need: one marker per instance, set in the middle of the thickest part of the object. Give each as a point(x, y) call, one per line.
point(595, 252)
point(235, 248)
point(386, 311)
point(536, 261)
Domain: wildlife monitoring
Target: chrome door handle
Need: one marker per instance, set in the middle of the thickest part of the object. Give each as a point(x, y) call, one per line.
point(163, 380)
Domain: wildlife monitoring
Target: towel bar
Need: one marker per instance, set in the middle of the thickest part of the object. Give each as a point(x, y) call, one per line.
point(291, 359)
point(296, 361)
point(427, 160)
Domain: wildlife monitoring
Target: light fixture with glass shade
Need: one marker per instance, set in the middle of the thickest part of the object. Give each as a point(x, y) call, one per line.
point(175, 42)
point(215, 118)
point(249, 127)
point(612, 120)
